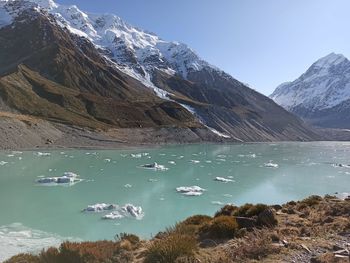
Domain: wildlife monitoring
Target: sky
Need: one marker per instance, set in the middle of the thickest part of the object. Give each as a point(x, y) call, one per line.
point(262, 43)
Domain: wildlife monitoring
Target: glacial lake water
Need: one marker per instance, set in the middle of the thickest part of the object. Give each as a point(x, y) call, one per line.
point(34, 215)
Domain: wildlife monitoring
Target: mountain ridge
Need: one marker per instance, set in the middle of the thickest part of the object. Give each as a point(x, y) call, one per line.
point(321, 95)
point(135, 80)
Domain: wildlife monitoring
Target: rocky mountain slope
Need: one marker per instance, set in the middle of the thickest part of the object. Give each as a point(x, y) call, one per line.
point(99, 72)
point(321, 95)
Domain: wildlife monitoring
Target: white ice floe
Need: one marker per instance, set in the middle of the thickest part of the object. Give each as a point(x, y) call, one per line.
point(128, 186)
point(195, 161)
point(127, 210)
point(172, 162)
point(2, 163)
point(222, 179)
point(217, 203)
point(107, 160)
point(253, 155)
point(155, 166)
point(341, 165)
point(139, 155)
point(97, 208)
point(67, 178)
point(42, 154)
point(190, 190)
point(271, 165)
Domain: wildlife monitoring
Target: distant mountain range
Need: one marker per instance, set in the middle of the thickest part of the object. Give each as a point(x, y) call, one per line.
point(66, 66)
point(321, 95)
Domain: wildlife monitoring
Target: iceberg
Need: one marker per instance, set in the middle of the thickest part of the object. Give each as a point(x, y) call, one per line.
point(271, 165)
point(2, 163)
point(154, 166)
point(222, 179)
point(67, 178)
point(190, 190)
point(127, 210)
point(100, 207)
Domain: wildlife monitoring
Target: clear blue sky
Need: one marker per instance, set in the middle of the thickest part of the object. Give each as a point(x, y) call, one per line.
point(259, 42)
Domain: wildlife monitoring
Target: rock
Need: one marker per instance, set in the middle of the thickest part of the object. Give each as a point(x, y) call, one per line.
point(267, 218)
point(277, 207)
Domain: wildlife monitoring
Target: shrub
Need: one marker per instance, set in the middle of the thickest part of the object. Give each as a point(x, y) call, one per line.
point(222, 227)
point(133, 239)
point(256, 245)
point(312, 200)
point(23, 258)
point(197, 220)
point(170, 248)
point(227, 210)
point(249, 210)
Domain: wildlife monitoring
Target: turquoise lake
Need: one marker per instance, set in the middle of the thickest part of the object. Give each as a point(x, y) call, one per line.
point(34, 215)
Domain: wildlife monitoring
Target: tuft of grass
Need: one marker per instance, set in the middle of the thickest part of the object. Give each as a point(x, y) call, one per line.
point(247, 210)
point(255, 246)
point(222, 227)
point(169, 249)
point(23, 258)
point(312, 200)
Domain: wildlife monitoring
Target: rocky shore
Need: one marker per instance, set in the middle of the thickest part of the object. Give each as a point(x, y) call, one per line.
point(316, 230)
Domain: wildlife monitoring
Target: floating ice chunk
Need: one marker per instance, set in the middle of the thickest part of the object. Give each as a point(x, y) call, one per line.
point(154, 166)
point(67, 178)
point(217, 203)
point(128, 210)
point(222, 179)
point(172, 162)
point(139, 155)
point(190, 190)
point(152, 180)
point(70, 174)
point(135, 211)
point(42, 154)
point(341, 165)
point(100, 208)
point(271, 165)
point(113, 215)
point(47, 180)
point(107, 160)
point(195, 161)
point(128, 186)
point(10, 155)
point(2, 163)
point(193, 193)
point(208, 161)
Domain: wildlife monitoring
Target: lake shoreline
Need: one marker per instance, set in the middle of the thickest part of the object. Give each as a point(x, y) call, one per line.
point(315, 229)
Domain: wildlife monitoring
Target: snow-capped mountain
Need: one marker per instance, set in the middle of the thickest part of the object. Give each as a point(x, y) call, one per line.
point(123, 76)
point(136, 52)
point(321, 94)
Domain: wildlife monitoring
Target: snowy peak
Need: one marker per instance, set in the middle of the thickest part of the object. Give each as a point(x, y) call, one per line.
point(330, 60)
point(323, 87)
point(136, 52)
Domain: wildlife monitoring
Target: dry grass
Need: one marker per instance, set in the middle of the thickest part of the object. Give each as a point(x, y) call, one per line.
point(222, 227)
point(169, 249)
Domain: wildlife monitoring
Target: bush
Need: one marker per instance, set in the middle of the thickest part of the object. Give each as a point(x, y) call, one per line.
point(197, 220)
point(227, 210)
point(249, 210)
point(23, 258)
point(133, 239)
point(222, 227)
point(312, 200)
point(169, 249)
